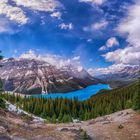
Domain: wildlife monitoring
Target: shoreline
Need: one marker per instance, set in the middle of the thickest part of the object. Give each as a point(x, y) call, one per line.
point(80, 94)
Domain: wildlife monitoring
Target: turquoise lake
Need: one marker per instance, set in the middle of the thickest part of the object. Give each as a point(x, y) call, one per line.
point(81, 94)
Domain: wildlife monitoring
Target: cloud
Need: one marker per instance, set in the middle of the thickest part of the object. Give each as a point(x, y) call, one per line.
point(55, 60)
point(89, 40)
point(76, 58)
point(40, 5)
point(111, 42)
point(100, 25)
point(4, 26)
point(12, 12)
point(128, 55)
point(102, 48)
point(56, 15)
point(96, 26)
point(130, 28)
point(15, 12)
point(66, 26)
point(97, 2)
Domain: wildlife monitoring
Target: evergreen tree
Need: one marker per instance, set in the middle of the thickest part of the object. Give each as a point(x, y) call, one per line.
point(1, 85)
point(137, 95)
point(66, 118)
point(60, 117)
point(2, 103)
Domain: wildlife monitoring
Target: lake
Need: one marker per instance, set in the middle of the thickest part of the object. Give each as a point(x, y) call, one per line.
point(81, 94)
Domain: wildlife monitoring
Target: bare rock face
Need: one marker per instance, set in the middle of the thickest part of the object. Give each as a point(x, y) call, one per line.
point(35, 77)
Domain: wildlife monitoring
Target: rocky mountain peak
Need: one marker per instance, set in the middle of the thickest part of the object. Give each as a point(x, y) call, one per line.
point(31, 76)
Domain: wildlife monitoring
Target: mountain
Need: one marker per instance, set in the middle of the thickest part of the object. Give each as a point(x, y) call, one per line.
point(127, 73)
point(121, 77)
point(30, 76)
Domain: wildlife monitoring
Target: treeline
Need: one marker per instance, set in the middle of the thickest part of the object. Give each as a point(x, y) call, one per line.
point(64, 110)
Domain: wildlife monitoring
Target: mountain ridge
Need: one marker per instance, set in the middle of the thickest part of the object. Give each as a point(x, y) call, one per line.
point(31, 76)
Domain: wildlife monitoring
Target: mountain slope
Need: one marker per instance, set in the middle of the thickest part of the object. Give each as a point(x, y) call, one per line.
point(125, 73)
point(13, 126)
point(122, 77)
point(30, 76)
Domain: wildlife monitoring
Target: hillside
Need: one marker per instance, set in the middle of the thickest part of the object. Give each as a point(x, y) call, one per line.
point(123, 125)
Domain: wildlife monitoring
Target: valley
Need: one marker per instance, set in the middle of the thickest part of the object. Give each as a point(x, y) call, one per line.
point(93, 112)
point(69, 69)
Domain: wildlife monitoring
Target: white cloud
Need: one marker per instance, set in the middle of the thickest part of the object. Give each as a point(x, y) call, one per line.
point(4, 26)
point(56, 15)
point(111, 42)
point(128, 55)
point(12, 12)
point(16, 13)
point(55, 60)
point(102, 48)
point(66, 26)
point(76, 58)
point(39, 5)
point(130, 27)
point(100, 25)
point(89, 40)
point(131, 24)
point(96, 26)
point(97, 2)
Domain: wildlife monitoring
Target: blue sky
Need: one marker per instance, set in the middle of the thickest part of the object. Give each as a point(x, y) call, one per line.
point(93, 30)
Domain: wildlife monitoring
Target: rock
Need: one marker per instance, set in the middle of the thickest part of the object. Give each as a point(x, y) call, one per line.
point(2, 130)
point(2, 112)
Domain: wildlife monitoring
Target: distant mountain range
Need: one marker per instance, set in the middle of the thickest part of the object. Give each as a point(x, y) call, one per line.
point(124, 76)
point(30, 76)
point(126, 73)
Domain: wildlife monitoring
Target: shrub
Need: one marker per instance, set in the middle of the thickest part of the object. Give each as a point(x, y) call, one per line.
point(120, 126)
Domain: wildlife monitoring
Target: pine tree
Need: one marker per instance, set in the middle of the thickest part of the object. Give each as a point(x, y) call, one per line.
point(2, 103)
point(66, 118)
point(54, 118)
point(137, 96)
point(60, 117)
point(1, 85)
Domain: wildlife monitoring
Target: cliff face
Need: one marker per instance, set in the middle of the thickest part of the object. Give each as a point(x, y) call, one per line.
point(35, 77)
